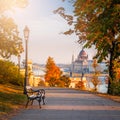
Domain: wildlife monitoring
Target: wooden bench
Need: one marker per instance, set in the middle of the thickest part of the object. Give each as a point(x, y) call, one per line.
point(38, 95)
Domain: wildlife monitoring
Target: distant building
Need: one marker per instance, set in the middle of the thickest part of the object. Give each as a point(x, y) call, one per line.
point(82, 64)
point(81, 68)
point(35, 74)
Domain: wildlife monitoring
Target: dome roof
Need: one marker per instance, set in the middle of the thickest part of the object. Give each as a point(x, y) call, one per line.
point(82, 54)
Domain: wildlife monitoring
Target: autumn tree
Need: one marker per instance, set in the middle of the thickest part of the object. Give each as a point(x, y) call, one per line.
point(41, 83)
point(115, 84)
point(10, 42)
point(66, 80)
point(95, 80)
point(53, 72)
point(80, 85)
point(97, 22)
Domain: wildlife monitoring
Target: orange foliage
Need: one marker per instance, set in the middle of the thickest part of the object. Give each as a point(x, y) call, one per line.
point(117, 73)
point(53, 72)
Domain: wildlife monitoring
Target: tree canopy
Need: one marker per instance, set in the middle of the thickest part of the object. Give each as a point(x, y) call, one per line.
point(54, 75)
point(97, 22)
point(10, 42)
point(11, 4)
point(52, 72)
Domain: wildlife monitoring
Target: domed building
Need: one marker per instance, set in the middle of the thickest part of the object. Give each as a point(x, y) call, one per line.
point(80, 65)
point(82, 56)
point(81, 70)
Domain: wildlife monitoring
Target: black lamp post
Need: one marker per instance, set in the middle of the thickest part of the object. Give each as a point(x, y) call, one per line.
point(26, 36)
point(19, 63)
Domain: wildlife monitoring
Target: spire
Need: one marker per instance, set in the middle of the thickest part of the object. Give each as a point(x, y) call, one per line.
point(72, 66)
point(72, 58)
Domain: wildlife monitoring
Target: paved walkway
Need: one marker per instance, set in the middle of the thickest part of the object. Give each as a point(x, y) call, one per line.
point(68, 104)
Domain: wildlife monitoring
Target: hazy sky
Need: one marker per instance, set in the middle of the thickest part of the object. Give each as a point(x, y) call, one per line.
point(45, 32)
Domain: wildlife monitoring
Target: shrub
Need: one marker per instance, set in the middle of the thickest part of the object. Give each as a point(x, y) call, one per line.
point(80, 85)
point(9, 73)
point(115, 88)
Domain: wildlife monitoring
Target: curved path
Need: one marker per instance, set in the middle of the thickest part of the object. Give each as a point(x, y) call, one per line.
point(69, 104)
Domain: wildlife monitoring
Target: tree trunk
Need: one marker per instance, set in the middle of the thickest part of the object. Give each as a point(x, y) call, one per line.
point(111, 71)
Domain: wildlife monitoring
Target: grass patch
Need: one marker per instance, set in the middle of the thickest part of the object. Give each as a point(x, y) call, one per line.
point(11, 98)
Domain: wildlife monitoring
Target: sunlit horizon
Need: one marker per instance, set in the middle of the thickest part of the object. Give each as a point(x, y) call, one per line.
point(45, 32)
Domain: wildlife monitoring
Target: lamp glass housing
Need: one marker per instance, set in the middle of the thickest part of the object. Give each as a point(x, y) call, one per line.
point(26, 32)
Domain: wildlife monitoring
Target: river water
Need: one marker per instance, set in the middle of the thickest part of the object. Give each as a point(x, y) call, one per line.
point(102, 88)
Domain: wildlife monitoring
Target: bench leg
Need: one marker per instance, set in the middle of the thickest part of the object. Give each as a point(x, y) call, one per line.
point(31, 102)
point(39, 104)
point(43, 100)
point(27, 103)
